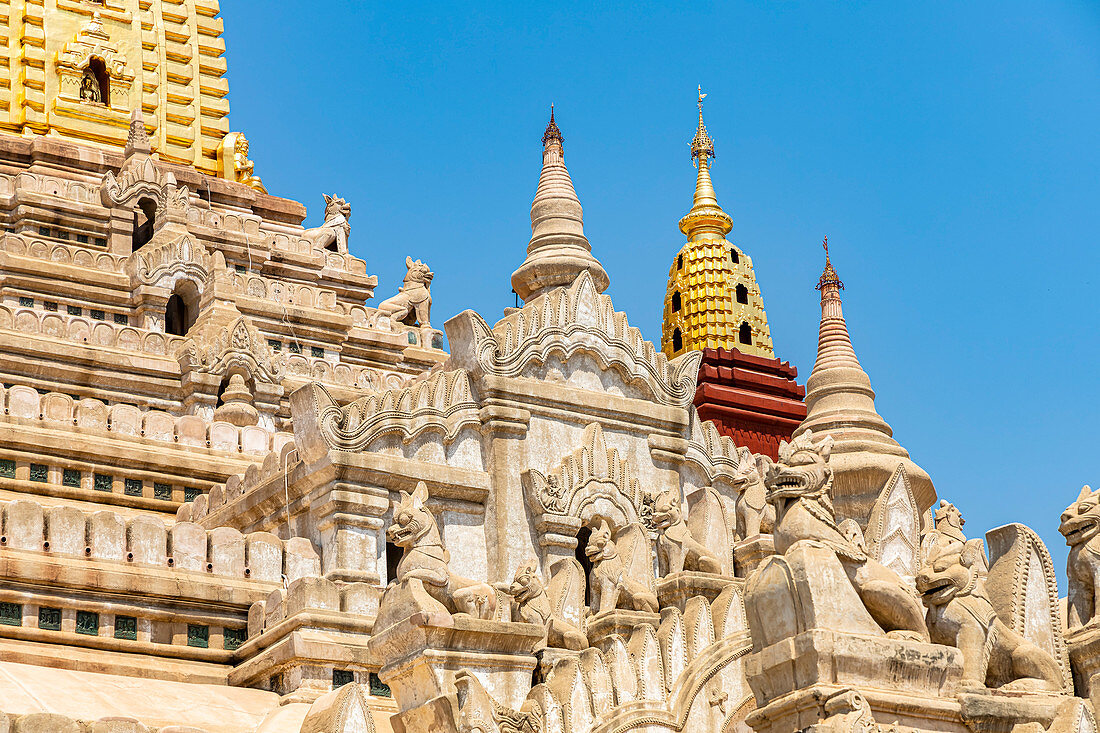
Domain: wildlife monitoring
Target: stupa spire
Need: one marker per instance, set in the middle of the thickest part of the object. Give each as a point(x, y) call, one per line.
point(706, 216)
point(841, 403)
point(838, 391)
point(558, 251)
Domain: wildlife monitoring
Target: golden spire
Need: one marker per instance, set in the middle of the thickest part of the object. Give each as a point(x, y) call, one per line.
point(712, 299)
point(558, 251)
point(706, 216)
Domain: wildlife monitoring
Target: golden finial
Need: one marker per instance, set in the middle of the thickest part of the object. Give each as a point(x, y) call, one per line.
point(702, 147)
point(828, 276)
point(552, 131)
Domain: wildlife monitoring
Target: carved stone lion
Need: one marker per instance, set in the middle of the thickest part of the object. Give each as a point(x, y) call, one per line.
point(533, 605)
point(426, 561)
point(611, 586)
point(1081, 528)
point(333, 234)
point(754, 514)
point(413, 303)
point(960, 614)
point(798, 487)
point(676, 549)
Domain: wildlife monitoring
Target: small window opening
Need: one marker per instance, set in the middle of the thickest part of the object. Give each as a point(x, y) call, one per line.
point(145, 221)
point(393, 557)
point(680, 262)
point(733, 256)
point(744, 334)
point(583, 535)
point(677, 340)
point(675, 302)
point(742, 294)
point(181, 310)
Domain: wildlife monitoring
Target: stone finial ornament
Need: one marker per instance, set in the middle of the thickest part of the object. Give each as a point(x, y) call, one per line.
point(558, 251)
point(798, 487)
point(413, 303)
point(610, 581)
point(334, 232)
point(1081, 527)
point(425, 567)
point(960, 614)
point(558, 607)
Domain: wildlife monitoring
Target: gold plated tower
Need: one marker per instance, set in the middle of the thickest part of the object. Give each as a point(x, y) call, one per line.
point(712, 299)
point(77, 69)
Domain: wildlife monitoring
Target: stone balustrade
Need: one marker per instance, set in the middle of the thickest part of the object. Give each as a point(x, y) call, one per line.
point(54, 409)
point(144, 540)
point(83, 330)
point(286, 293)
point(63, 254)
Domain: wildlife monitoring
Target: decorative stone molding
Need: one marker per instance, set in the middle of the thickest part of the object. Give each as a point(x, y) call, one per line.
point(893, 534)
point(588, 475)
point(237, 348)
point(165, 263)
point(563, 322)
point(444, 402)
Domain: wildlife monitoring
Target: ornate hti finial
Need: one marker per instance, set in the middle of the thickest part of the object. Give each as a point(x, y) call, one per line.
point(702, 147)
point(552, 131)
point(829, 278)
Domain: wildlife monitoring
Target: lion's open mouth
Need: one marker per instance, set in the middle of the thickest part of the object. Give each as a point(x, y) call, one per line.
point(937, 589)
point(786, 484)
point(1077, 530)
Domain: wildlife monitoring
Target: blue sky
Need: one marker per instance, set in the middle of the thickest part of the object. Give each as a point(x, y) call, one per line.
point(951, 152)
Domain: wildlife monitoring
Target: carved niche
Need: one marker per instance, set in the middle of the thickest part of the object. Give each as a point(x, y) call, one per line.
point(78, 61)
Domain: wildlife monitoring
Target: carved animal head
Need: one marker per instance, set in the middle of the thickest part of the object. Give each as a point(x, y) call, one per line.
point(526, 585)
point(665, 509)
point(803, 471)
point(411, 521)
point(1081, 519)
point(418, 273)
point(951, 570)
point(949, 521)
point(600, 546)
point(335, 206)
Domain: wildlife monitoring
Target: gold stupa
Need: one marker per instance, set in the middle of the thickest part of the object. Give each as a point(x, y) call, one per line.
point(712, 299)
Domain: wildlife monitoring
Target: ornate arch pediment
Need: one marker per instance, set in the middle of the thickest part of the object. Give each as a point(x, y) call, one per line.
point(167, 263)
point(592, 480)
point(238, 347)
point(573, 320)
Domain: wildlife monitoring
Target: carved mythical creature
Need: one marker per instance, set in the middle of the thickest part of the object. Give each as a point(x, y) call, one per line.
point(960, 614)
point(1081, 528)
point(754, 514)
point(798, 487)
point(676, 549)
point(610, 584)
point(426, 560)
point(334, 233)
point(413, 303)
point(534, 606)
